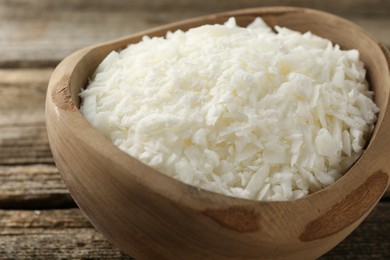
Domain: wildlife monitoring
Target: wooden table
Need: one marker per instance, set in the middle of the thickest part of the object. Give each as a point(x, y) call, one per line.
point(38, 218)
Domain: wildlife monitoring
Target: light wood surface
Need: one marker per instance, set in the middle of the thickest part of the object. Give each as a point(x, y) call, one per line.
point(32, 32)
point(29, 181)
point(122, 196)
point(67, 234)
point(52, 234)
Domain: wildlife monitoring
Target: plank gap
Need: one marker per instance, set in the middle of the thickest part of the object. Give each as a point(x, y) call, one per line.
point(38, 202)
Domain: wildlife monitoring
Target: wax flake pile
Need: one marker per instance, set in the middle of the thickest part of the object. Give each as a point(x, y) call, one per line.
point(243, 111)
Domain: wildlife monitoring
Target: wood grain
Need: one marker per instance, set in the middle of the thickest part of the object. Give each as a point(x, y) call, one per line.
point(346, 6)
point(32, 33)
point(23, 138)
point(370, 240)
point(22, 94)
point(23, 144)
point(349, 209)
point(33, 187)
point(52, 234)
point(67, 234)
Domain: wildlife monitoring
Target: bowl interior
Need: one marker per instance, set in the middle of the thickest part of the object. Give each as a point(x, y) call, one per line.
point(338, 30)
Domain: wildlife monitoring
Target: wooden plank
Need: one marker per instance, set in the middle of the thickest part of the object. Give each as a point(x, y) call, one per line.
point(52, 234)
point(13, 221)
point(45, 39)
point(23, 138)
point(345, 6)
point(23, 144)
point(33, 187)
point(33, 34)
point(28, 177)
point(23, 95)
point(67, 234)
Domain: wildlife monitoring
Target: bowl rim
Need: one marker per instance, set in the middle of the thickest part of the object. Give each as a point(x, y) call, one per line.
point(197, 198)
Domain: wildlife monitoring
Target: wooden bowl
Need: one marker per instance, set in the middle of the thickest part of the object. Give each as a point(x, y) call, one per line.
point(152, 216)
